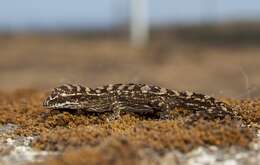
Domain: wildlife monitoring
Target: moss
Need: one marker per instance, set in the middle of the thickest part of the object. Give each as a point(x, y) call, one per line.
point(82, 136)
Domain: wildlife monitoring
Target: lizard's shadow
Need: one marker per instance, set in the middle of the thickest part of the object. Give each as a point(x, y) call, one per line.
point(74, 112)
point(145, 116)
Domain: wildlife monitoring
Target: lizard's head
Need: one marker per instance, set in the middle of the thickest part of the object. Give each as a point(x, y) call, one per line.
point(65, 97)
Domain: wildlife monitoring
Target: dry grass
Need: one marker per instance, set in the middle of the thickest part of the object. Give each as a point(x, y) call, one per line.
point(45, 62)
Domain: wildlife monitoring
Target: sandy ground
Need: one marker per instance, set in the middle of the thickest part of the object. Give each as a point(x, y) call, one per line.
point(31, 65)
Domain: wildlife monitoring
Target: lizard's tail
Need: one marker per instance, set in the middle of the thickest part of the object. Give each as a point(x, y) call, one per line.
point(202, 105)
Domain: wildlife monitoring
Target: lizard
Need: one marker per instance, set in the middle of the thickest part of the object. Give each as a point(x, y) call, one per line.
point(134, 98)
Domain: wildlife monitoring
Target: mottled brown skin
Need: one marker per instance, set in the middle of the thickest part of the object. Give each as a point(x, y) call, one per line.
point(137, 98)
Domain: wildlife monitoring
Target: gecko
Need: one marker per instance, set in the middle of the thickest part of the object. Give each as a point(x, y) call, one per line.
point(134, 98)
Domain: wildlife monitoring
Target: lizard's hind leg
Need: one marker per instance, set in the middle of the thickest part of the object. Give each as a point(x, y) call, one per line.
point(161, 108)
point(115, 109)
point(119, 107)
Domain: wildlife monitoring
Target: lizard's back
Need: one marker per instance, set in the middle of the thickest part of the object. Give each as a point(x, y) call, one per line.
point(139, 98)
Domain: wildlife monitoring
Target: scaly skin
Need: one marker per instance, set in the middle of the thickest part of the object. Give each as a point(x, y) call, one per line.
point(137, 98)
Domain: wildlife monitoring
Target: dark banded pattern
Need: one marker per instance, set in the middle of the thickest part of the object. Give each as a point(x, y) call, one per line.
point(136, 98)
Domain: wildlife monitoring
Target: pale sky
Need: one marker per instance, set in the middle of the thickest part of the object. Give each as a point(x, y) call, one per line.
point(17, 14)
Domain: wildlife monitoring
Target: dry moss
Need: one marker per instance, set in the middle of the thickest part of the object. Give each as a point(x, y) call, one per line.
point(112, 151)
point(83, 136)
point(248, 109)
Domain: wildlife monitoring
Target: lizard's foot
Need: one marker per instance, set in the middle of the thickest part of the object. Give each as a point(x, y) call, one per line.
point(113, 116)
point(164, 115)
